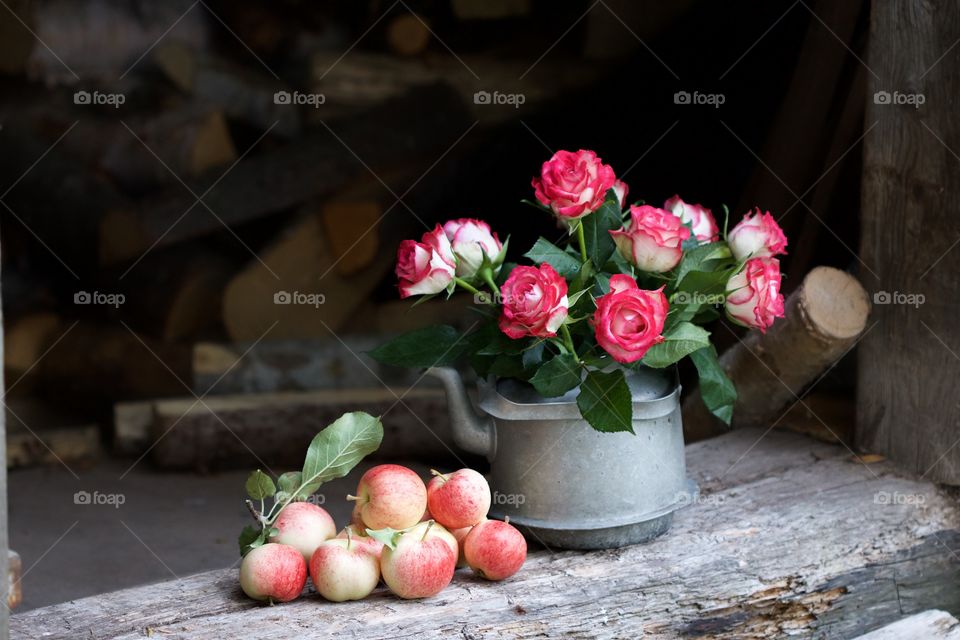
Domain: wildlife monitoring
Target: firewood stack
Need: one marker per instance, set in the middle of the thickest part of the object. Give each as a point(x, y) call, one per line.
point(232, 181)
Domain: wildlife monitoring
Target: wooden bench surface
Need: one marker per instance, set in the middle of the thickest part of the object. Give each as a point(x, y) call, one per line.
point(791, 537)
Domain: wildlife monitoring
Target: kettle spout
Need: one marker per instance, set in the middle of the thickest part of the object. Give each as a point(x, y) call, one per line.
point(471, 431)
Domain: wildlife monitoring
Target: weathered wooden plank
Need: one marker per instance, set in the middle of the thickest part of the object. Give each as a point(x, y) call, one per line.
point(929, 625)
point(225, 431)
point(908, 366)
point(790, 538)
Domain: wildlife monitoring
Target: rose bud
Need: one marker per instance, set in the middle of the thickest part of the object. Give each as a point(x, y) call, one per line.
point(699, 218)
point(757, 236)
point(753, 294)
point(534, 302)
point(653, 241)
point(427, 266)
point(575, 184)
point(471, 241)
point(629, 320)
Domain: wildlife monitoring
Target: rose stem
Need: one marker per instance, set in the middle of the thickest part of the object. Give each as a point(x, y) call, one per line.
point(582, 242)
point(568, 341)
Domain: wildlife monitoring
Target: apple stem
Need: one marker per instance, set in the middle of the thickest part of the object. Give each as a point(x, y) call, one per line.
point(442, 477)
point(427, 530)
point(352, 498)
point(253, 511)
point(349, 538)
point(506, 519)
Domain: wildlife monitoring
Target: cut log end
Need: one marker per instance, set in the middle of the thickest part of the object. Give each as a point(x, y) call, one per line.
point(834, 303)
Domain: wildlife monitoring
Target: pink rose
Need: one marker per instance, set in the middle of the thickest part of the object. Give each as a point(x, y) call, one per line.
point(575, 184)
point(699, 217)
point(471, 240)
point(629, 320)
point(757, 236)
point(534, 302)
point(753, 294)
point(653, 240)
point(427, 266)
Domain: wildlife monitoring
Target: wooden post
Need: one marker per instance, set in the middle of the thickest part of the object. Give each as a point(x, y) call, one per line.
point(4, 541)
point(909, 365)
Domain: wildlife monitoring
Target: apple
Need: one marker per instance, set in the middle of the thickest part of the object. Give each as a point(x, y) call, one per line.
point(460, 535)
point(459, 499)
point(360, 537)
point(495, 550)
point(422, 562)
point(274, 572)
point(390, 496)
point(304, 526)
point(342, 569)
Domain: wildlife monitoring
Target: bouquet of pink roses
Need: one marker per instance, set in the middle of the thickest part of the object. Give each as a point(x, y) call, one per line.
point(630, 289)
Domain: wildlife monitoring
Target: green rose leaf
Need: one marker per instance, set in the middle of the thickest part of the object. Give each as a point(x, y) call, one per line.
point(562, 262)
point(682, 340)
point(557, 376)
point(434, 346)
point(717, 390)
point(605, 401)
point(702, 258)
point(260, 486)
point(597, 227)
point(338, 448)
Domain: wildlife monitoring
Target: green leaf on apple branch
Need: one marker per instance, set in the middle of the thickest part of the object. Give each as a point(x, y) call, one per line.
point(250, 538)
point(338, 448)
point(562, 262)
point(605, 401)
point(557, 376)
point(260, 486)
point(387, 536)
point(596, 229)
point(290, 481)
point(717, 390)
point(682, 340)
point(433, 346)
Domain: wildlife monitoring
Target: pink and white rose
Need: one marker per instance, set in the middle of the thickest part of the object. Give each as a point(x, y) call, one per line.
point(471, 240)
point(757, 236)
point(534, 302)
point(699, 218)
point(425, 267)
point(629, 320)
point(574, 184)
point(753, 294)
point(653, 240)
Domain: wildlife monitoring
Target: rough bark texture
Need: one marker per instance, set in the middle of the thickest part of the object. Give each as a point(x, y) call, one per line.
point(909, 365)
point(824, 317)
point(789, 538)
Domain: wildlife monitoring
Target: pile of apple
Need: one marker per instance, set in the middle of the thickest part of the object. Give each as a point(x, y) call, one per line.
point(412, 535)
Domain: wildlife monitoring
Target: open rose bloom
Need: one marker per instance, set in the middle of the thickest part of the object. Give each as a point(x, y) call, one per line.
point(628, 289)
point(575, 184)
